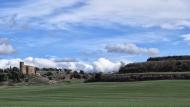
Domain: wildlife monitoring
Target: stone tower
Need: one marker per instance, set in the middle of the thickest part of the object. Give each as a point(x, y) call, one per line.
point(22, 67)
point(27, 70)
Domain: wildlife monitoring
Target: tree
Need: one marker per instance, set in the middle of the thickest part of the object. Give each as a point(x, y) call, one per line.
point(1, 70)
point(67, 71)
point(49, 74)
point(15, 69)
point(76, 75)
point(3, 77)
point(82, 72)
point(98, 76)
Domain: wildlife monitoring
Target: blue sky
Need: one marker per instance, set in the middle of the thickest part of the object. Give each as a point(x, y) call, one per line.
point(86, 30)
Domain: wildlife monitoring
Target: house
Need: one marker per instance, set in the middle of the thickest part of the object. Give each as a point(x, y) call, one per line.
point(27, 70)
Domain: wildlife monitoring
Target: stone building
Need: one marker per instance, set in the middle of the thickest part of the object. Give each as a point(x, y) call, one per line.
point(27, 70)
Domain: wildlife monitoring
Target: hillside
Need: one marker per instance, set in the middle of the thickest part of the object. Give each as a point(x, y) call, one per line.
point(159, 64)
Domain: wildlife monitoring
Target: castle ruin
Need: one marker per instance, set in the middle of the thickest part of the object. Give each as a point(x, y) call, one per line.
point(27, 70)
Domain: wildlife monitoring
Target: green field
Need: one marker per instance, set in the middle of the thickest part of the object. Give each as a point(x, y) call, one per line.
point(130, 94)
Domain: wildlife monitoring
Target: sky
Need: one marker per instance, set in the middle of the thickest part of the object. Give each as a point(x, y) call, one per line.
point(94, 35)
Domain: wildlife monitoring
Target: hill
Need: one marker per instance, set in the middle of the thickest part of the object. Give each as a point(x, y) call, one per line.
point(158, 68)
point(159, 64)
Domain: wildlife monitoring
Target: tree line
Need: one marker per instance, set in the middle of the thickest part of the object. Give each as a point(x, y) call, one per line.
point(166, 58)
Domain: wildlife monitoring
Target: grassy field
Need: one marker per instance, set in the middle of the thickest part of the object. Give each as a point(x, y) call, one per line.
point(131, 94)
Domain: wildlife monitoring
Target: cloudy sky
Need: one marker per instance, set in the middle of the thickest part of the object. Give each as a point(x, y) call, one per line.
point(91, 33)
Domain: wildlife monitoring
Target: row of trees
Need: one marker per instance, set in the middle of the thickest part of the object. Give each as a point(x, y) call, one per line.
point(137, 77)
point(186, 57)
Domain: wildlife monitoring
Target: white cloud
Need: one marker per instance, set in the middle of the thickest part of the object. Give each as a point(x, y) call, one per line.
point(33, 13)
point(38, 8)
point(167, 14)
point(80, 65)
point(40, 62)
point(146, 13)
point(131, 49)
point(186, 37)
point(101, 65)
point(6, 47)
point(105, 65)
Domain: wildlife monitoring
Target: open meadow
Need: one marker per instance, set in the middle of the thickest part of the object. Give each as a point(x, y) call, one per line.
point(175, 93)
